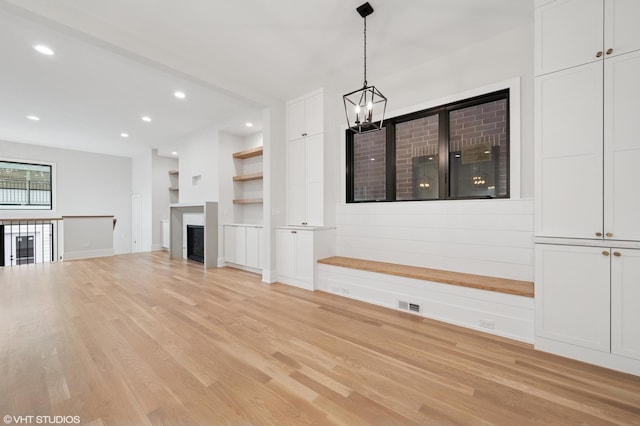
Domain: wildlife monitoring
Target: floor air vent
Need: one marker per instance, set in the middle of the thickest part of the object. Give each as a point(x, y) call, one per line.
point(408, 306)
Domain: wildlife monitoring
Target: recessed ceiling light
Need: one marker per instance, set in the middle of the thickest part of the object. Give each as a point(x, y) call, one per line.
point(248, 124)
point(45, 50)
point(124, 135)
point(146, 119)
point(33, 117)
point(174, 153)
point(180, 95)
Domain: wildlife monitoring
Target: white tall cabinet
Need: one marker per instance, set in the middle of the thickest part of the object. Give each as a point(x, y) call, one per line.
point(306, 165)
point(587, 63)
point(311, 169)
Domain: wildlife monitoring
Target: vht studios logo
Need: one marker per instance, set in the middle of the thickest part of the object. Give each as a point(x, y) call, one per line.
point(41, 420)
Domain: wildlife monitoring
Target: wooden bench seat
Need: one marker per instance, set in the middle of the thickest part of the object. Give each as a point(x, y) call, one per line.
point(482, 282)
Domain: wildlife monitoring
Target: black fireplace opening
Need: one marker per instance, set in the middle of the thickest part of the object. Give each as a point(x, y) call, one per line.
point(195, 243)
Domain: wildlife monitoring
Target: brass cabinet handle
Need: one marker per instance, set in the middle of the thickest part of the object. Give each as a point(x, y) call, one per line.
point(304, 134)
point(304, 223)
point(294, 232)
point(609, 234)
point(609, 51)
point(598, 234)
point(599, 53)
point(617, 254)
point(606, 253)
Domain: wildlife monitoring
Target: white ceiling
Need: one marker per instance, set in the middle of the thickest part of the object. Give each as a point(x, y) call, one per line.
point(119, 59)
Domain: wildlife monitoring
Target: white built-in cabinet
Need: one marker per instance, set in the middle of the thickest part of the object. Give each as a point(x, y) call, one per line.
point(298, 250)
point(587, 147)
point(305, 160)
point(305, 116)
point(305, 181)
point(242, 245)
point(575, 32)
point(587, 281)
point(295, 260)
point(588, 297)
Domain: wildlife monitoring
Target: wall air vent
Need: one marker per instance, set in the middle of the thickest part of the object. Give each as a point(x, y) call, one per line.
point(408, 306)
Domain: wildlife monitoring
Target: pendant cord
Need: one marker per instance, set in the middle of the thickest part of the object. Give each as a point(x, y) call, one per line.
point(365, 51)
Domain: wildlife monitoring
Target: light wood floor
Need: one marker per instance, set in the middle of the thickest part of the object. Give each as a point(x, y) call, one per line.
point(139, 339)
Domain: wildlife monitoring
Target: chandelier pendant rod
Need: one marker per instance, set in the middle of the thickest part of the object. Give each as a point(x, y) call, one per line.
point(365, 52)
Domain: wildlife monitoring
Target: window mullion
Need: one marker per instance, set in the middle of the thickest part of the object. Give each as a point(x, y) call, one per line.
point(443, 154)
point(391, 161)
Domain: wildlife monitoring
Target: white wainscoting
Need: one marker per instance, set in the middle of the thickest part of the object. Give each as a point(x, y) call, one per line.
point(509, 315)
point(484, 237)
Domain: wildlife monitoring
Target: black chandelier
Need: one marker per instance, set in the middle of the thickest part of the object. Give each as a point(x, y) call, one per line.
point(365, 107)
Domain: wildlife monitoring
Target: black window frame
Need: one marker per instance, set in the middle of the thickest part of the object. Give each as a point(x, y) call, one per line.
point(29, 207)
point(443, 111)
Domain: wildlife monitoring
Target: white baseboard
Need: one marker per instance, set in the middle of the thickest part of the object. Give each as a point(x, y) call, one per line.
point(242, 267)
point(86, 254)
point(510, 316)
point(268, 276)
point(592, 356)
point(296, 283)
point(221, 262)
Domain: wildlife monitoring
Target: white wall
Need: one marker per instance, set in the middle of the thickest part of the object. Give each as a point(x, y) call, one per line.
point(488, 237)
point(87, 184)
point(160, 195)
point(199, 157)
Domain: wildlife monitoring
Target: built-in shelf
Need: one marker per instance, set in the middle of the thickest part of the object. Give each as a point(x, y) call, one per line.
point(253, 152)
point(248, 201)
point(173, 184)
point(248, 177)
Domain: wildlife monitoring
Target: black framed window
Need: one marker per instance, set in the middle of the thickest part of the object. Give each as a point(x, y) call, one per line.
point(25, 186)
point(454, 151)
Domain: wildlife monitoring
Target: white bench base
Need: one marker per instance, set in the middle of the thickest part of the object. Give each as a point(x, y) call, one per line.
point(510, 316)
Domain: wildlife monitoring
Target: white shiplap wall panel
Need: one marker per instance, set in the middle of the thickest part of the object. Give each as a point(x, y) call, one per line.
point(486, 237)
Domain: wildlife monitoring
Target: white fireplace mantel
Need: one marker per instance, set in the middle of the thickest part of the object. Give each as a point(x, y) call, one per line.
point(209, 210)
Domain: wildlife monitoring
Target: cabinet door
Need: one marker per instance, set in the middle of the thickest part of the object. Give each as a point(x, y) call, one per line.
point(230, 244)
point(295, 120)
point(313, 115)
point(568, 33)
point(622, 147)
point(261, 248)
point(241, 245)
point(304, 256)
point(622, 33)
point(569, 152)
point(625, 303)
point(286, 252)
point(253, 247)
point(296, 182)
point(572, 295)
point(314, 178)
